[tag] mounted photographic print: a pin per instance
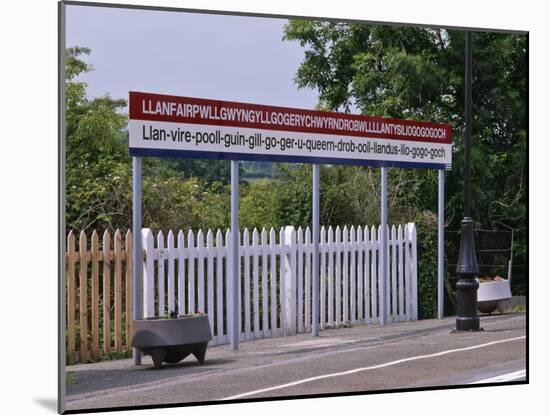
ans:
(280, 207)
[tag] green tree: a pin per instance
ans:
(99, 170)
(418, 73)
(208, 170)
(95, 150)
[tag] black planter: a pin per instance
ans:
(171, 340)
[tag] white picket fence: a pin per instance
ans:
(188, 274)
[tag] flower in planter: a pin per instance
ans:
(489, 278)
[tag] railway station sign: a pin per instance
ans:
(174, 126)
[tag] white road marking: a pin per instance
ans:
(506, 377)
(322, 342)
(361, 369)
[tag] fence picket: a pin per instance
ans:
(338, 244)
(300, 279)
(256, 281)
(200, 272)
(171, 255)
(308, 279)
(322, 306)
(360, 250)
(265, 288)
(367, 274)
(95, 295)
(106, 292)
(161, 277)
(181, 272)
(118, 291)
(240, 289)
(210, 250)
(227, 284)
(330, 251)
(353, 248)
(272, 283)
(374, 274)
(148, 274)
(220, 249)
(246, 259)
(71, 298)
(407, 270)
(388, 275)
(401, 277)
(345, 274)
(388, 272)
(282, 285)
(191, 273)
(83, 298)
(392, 258)
(129, 284)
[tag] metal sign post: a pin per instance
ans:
(136, 253)
(235, 274)
(315, 239)
(440, 243)
(383, 263)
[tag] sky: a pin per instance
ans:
(230, 58)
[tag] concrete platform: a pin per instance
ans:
(359, 359)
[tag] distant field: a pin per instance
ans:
(257, 179)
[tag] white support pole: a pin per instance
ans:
(289, 305)
(136, 236)
(440, 244)
(235, 274)
(511, 259)
(316, 170)
(383, 262)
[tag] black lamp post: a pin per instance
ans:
(467, 269)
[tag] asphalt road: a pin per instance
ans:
(367, 358)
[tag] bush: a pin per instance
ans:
(426, 231)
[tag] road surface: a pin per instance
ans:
(359, 359)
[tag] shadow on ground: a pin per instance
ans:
(48, 403)
(94, 380)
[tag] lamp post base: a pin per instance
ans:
(467, 285)
(467, 324)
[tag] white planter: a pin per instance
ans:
(489, 294)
